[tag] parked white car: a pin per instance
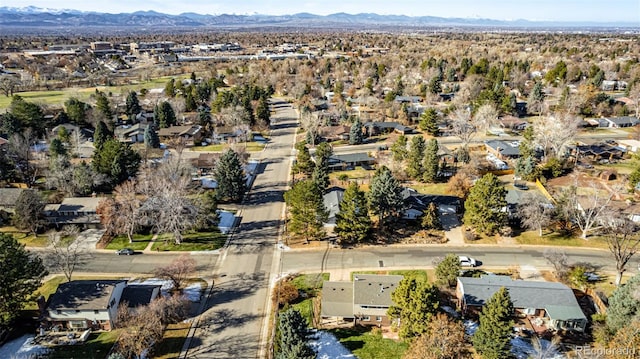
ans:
(467, 261)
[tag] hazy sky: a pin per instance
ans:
(557, 10)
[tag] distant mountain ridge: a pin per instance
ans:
(32, 16)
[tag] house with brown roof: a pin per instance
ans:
(334, 133)
(363, 301)
(191, 134)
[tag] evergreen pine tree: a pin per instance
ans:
(399, 148)
(170, 88)
(624, 304)
(431, 162)
(385, 195)
(430, 218)
(484, 205)
(101, 135)
(132, 105)
(103, 106)
(304, 164)
(353, 224)
(151, 139)
(306, 206)
(292, 341)
(321, 170)
(414, 304)
(429, 121)
(355, 133)
(164, 115)
(56, 148)
(263, 113)
(229, 175)
(448, 270)
(415, 156)
(493, 337)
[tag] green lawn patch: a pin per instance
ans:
(365, 343)
(557, 239)
(310, 282)
(197, 241)
(430, 188)
(140, 242)
(97, 347)
(172, 341)
(418, 274)
(357, 173)
(305, 308)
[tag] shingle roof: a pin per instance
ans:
(371, 289)
(337, 299)
(9, 196)
(138, 294)
(555, 298)
(83, 295)
(351, 158)
(331, 201)
(79, 204)
(506, 149)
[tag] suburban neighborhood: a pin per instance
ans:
(464, 194)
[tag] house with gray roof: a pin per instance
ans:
(549, 305)
(84, 304)
(503, 149)
(332, 200)
(618, 122)
(9, 197)
(363, 301)
(74, 210)
(340, 162)
(374, 128)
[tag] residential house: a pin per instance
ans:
(408, 99)
(75, 132)
(191, 134)
(503, 150)
(350, 160)
(9, 197)
(629, 145)
(613, 85)
(546, 305)
(334, 133)
(332, 200)
(618, 122)
(513, 123)
(364, 301)
(131, 133)
(74, 210)
(84, 304)
(205, 162)
(375, 128)
(597, 151)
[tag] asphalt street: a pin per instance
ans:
(232, 325)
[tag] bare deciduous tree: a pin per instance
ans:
(588, 211)
(65, 252)
(623, 240)
(310, 122)
(534, 213)
(462, 126)
(559, 260)
(485, 117)
(178, 271)
(555, 133)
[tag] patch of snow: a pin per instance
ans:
(452, 312)
(327, 346)
(520, 347)
(281, 246)
(192, 291)
(22, 348)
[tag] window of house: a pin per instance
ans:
(75, 324)
(96, 312)
(59, 311)
(529, 311)
(378, 319)
(77, 311)
(366, 318)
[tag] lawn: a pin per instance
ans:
(365, 343)
(140, 242)
(357, 173)
(305, 308)
(172, 341)
(310, 282)
(430, 188)
(197, 241)
(556, 239)
(58, 97)
(97, 347)
(29, 240)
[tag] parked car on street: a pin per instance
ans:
(467, 261)
(125, 251)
